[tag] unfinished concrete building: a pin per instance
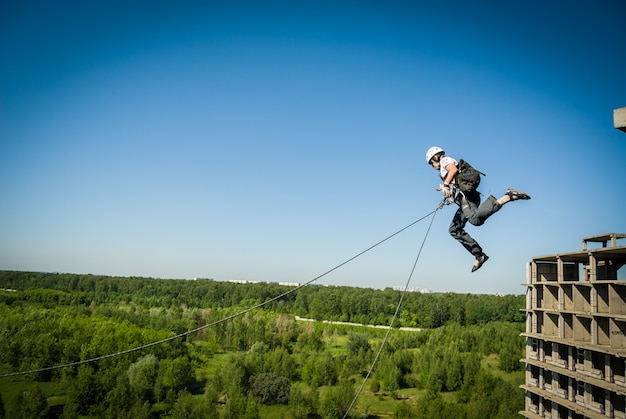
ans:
(576, 332)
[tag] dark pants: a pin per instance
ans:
(471, 210)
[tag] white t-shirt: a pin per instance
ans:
(445, 161)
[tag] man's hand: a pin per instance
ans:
(445, 190)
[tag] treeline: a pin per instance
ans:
(262, 363)
(348, 304)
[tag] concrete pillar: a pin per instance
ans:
(608, 369)
(593, 267)
(619, 119)
(608, 405)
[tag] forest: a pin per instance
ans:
(87, 346)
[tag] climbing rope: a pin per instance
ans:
(232, 316)
(395, 314)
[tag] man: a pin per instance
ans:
(470, 208)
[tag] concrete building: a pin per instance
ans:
(576, 332)
(576, 329)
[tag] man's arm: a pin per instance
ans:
(452, 171)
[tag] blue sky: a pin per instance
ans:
(274, 140)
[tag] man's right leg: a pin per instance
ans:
(457, 231)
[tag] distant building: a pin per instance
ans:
(576, 332)
(289, 284)
(243, 281)
(420, 290)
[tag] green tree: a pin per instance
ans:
(234, 377)
(186, 407)
(403, 410)
(121, 398)
(70, 410)
(510, 354)
(240, 407)
(28, 404)
(388, 374)
(270, 388)
(303, 404)
(310, 338)
(174, 373)
(358, 343)
(319, 370)
(490, 397)
(454, 369)
(337, 400)
(142, 376)
(211, 396)
(280, 362)
(85, 390)
(138, 410)
(327, 369)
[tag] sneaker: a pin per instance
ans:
(480, 260)
(515, 195)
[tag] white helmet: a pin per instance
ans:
(432, 152)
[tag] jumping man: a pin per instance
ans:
(470, 208)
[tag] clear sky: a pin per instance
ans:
(274, 140)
